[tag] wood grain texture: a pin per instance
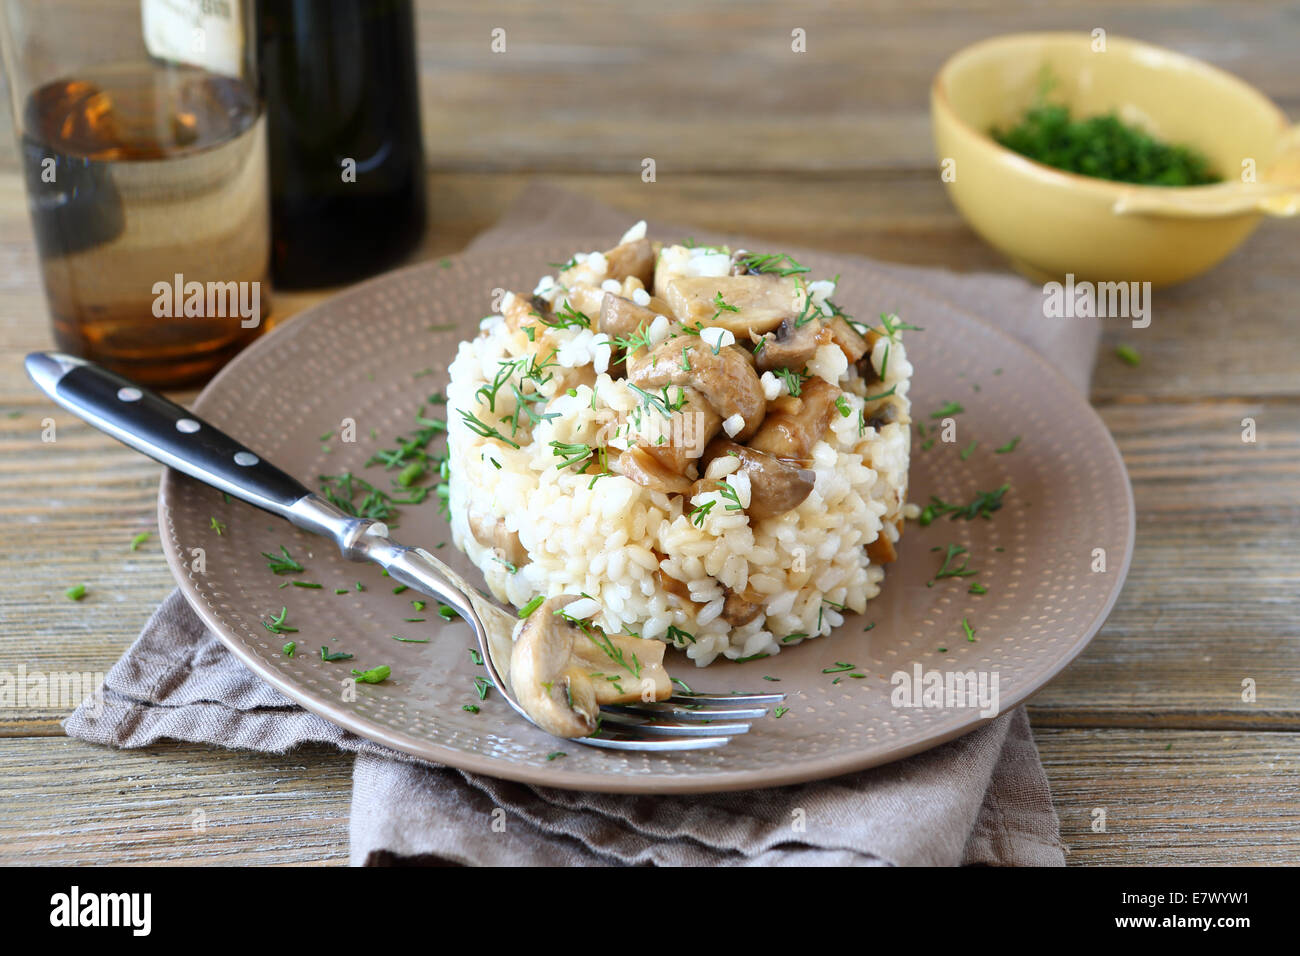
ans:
(1171, 797)
(1175, 798)
(63, 801)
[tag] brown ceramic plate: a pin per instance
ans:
(366, 355)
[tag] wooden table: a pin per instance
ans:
(827, 149)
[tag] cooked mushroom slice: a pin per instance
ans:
(792, 345)
(737, 611)
(865, 367)
(491, 532)
(791, 432)
(649, 471)
(885, 411)
(635, 258)
(561, 671)
(851, 343)
(520, 310)
(753, 304)
(881, 551)
(726, 379)
(775, 486)
(622, 318)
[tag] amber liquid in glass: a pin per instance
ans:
(135, 175)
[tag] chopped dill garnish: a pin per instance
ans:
(474, 424)
(981, 506)
(283, 563)
(947, 570)
(950, 408)
(793, 380)
(278, 625)
(774, 264)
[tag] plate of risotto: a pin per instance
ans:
(797, 474)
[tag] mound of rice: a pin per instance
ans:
(654, 564)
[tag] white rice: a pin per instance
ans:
(613, 541)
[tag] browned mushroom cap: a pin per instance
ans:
(791, 432)
(792, 345)
(491, 532)
(635, 258)
(775, 486)
(726, 379)
(737, 611)
(648, 470)
(622, 318)
(560, 670)
(755, 304)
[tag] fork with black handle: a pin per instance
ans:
(166, 432)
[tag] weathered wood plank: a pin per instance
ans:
(1175, 798)
(63, 801)
(715, 85)
(1170, 798)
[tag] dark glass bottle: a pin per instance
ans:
(343, 129)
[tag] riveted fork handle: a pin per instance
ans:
(178, 438)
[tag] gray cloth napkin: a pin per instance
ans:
(981, 799)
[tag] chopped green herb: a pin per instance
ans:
(139, 539)
(531, 606)
(330, 656)
(376, 675)
(75, 593)
(950, 408)
(289, 648)
(1128, 355)
(946, 570)
(1008, 447)
(277, 624)
(969, 631)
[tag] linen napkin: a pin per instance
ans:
(980, 799)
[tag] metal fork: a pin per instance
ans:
(166, 432)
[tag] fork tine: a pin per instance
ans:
(751, 699)
(630, 723)
(609, 742)
(666, 709)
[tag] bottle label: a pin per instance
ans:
(203, 33)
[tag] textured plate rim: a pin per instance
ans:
(545, 776)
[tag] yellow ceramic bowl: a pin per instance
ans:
(1052, 222)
